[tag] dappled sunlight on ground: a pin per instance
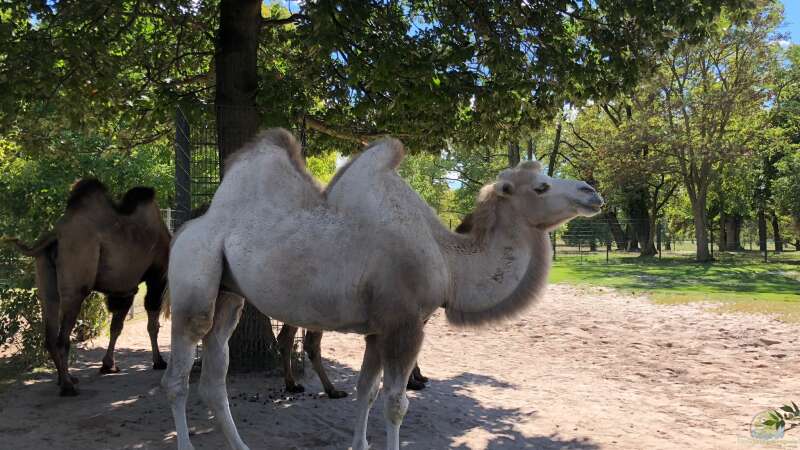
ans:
(587, 368)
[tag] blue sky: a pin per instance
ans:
(791, 22)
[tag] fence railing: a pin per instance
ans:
(599, 237)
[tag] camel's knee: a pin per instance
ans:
(197, 325)
(396, 407)
(174, 386)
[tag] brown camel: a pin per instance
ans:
(99, 245)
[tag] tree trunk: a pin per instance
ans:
(551, 168)
(252, 344)
(731, 230)
(236, 74)
(616, 230)
(530, 149)
(513, 154)
(701, 230)
(776, 233)
(652, 230)
(632, 244)
(639, 213)
(762, 230)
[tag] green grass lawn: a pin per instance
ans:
(739, 281)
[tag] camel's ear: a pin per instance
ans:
(504, 188)
(534, 166)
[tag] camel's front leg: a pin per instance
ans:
(156, 284)
(367, 391)
(119, 307)
(399, 352)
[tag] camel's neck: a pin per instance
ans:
(499, 278)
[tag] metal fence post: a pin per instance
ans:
(183, 175)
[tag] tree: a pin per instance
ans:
(428, 72)
(707, 92)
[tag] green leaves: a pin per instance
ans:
(788, 413)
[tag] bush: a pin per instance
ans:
(21, 327)
(22, 330)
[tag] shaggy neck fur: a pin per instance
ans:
(499, 268)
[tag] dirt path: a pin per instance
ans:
(582, 370)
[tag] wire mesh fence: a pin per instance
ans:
(197, 176)
(604, 241)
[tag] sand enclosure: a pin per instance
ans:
(584, 369)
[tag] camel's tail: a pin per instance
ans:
(37, 248)
(165, 304)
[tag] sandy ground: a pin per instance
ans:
(582, 370)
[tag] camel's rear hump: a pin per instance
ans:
(139, 195)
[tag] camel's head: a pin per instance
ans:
(543, 201)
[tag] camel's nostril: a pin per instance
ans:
(587, 189)
(597, 200)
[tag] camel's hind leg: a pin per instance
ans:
(399, 352)
(70, 307)
(176, 379)
(119, 307)
(215, 365)
(312, 344)
(286, 344)
(76, 274)
(367, 391)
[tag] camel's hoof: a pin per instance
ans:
(415, 385)
(336, 394)
(160, 365)
(296, 389)
(106, 370)
(421, 378)
(68, 391)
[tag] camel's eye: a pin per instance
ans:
(544, 187)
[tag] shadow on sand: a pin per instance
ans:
(128, 410)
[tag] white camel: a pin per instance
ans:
(367, 255)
